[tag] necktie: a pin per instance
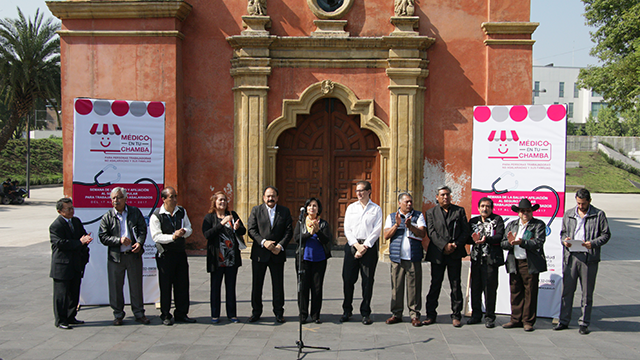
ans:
(71, 225)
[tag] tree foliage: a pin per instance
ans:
(617, 39)
(612, 123)
(29, 67)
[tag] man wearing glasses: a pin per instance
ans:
(124, 230)
(362, 226)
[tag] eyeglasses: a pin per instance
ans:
(361, 190)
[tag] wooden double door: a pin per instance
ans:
(324, 157)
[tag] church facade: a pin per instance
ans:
(307, 96)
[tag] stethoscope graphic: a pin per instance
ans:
(515, 186)
(97, 183)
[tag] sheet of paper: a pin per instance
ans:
(576, 246)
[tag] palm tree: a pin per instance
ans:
(29, 67)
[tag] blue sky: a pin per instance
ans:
(562, 37)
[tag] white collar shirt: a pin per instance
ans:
(363, 223)
(124, 229)
(518, 251)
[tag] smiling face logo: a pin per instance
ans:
(504, 139)
(105, 138)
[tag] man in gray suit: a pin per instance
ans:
(126, 245)
(587, 224)
(524, 238)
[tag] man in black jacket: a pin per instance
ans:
(270, 229)
(69, 255)
(170, 226)
(487, 256)
(524, 238)
(448, 230)
(124, 230)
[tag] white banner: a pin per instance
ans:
(520, 151)
(116, 143)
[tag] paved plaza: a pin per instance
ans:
(27, 330)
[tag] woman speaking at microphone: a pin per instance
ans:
(316, 239)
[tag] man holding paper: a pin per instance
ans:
(584, 230)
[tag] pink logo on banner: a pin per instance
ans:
(502, 202)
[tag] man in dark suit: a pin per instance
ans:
(524, 238)
(448, 231)
(126, 245)
(69, 255)
(487, 231)
(270, 229)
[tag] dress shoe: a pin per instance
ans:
(474, 320)
(215, 320)
(560, 326)
(167, 321)
(303, 319)
(254, 318)
(393, 320)
(143, 320)
(117, 321)
(64, 326)
(345, 317)
(234, 320)
(511, 325)
(528, 328)
(584, 330)
(75, 322)
(280, 319)
(367, 320)
(489, 324)
(317, 321)
(456, 323)
(428, 321)
(186, 319)
(416, 322)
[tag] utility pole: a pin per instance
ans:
(28, 156)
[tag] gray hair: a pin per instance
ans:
(119, 189)
(403, 194)
(444, 187)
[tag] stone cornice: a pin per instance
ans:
(119, 9)
(509, 42)
(305, 52)
(491, 28)
(117, 33)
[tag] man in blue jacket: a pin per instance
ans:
(588, 225)
(406, 228)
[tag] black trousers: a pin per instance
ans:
(173, 274)
(66, 295)
(453, 268)
(484, 278)
(524, 294)
(312, 281)
(258, 272)
(366, 266)
(230, 275)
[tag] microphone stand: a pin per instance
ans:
(299, 343)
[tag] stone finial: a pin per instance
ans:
(404, 7)
(258, 7)
(327, 87)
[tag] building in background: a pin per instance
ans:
(309, 96)
(558, 85)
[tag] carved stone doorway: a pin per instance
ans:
(324, 156)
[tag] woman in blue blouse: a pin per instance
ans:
(315, 236)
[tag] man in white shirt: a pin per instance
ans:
(362, 226)
(169, 227)
(406, 228)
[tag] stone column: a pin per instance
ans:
(250, 70)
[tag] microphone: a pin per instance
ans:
(302, 211)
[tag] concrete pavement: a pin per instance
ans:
(27, 331)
